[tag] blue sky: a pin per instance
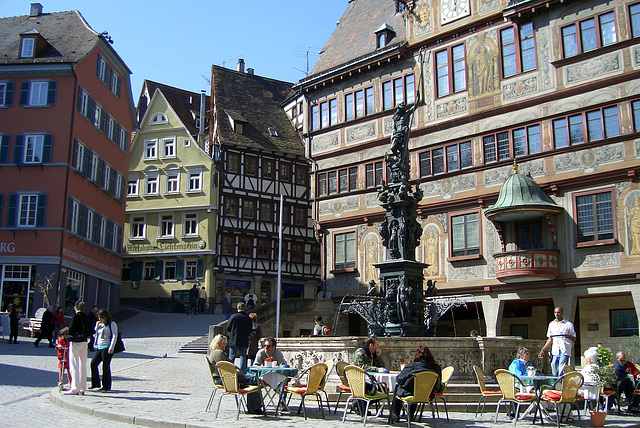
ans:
(176, 42)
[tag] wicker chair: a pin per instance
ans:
(447, 373)
(570, 382)
(214, 377)
(229, 375)
(357, 381)
(317, 374)
(344, 384)
(507, 382)
(486, 393)
(422, 387)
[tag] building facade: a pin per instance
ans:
(552, 86)
(170, 231)
(66, 115)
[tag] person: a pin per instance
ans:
(562, 335)
(14, 322)
(194, 293)
(227, 305)
(78, 350)
(269, 350)
(422, 361)
(202, 300)
(46, 327)
(92, 319)
(250, 300)
(319, 328)
(216, 354)
(589, 374)
(239, 328)
(520, 364)
(62, 346)
(367, 356)
(58, 322)
(106, 337)
(623, 369)
(254, 336)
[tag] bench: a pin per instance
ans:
(32, 326)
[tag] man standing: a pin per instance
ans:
(202, 300)
(194, 293)
(269, 350)
(93, 319)
(14, 321)
(250, 300)
(319, 329)
(562, 335)
(623, 369)
(227, 305)
(46, 327)
(239, 328)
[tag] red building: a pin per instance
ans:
(66, 117)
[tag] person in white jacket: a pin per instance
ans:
(105, 342)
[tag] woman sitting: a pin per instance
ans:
(423, 361)
(519, 366)
(590, 385)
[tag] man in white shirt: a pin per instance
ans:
(562, 335)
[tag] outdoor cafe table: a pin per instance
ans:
(276, 378)
(389, 378)
(538, 382)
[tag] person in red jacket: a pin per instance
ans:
(58, 322)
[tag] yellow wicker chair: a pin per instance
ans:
(317, 375)
(357, 382)
(229, 375)
(507, 382)
(447, 373)
(323, 384)
(422, 387)
(486, 393)
(570, 382)
(344, 384)
(214, 377)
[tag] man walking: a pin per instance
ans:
(239, 328)
(202, 300)
(46, 327)
(194, 293)
(227, 305)
(562, 335)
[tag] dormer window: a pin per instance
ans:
(27, 48)
(237, 121)
(384, 34)
(158, 118)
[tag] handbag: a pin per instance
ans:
(119, 343)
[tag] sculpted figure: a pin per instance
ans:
(634, 226)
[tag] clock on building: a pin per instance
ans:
(453, 9)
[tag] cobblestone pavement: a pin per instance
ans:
(154, 385)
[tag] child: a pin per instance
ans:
(63, 355)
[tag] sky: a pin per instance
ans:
(176, 42)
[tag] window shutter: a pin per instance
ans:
(1, 206)
(180, 270)
(12, 219)
(123, 187)
(17, 150)
(4, 149)
(157, 271)
(136, 271)
(79, 101)
(118, 241)
(51, 93)
(86, 158)
(199, 269)
(103, 119)
(119, 86)
(8, 98)
(99, 177)
(108, 242)
(69, 214)
(100, 59)
(24, 93)
(82, 226)
(91, 107)
(46, 148)
(112, 182)
(96, 229)
(41, 211)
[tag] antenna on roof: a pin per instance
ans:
(205, 78)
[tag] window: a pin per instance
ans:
(151, 183)
(96, 168)
(102, 232)
(6, 94)
(169, 148)
(91, 218)
(118, 188)
(634, 13)
(445, 159)
(191, 269)
(381, 40)
(264, 248)
(246, 247)
(374, 174)
(74, 216)
(116, 242)
(301, 175)
(266, 211)
(345, 251)
(594, 218)
(398, 90)
(195, 180)
(297, 252)
(518, 49)
(190, 224)
(132, 187)
(150, 149)
(509, 144)
(149, 271)
(98, 117)
(158, 118)
(594, 125)
(465, 235)
(27, 210)
(186, 143)
(248, 208)
(324, 114)
(589, 34)
(111, 128)
(84, 102)
(528, 236)
(107, 184)
(227, 245)
(267, 168)
(624, 322)
(284, 171)
(169, 270)
(358, 104)
(102, 70)
(172, 183)
(299, 216)
(28, 47)
(233, 161)
(451, 70)
(340, 181)
(166, 226)
(137, 228)
(33, 148)
(38, 93)
(231, 206)
(115, 83)
(251, 165)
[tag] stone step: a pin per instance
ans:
(197, 346)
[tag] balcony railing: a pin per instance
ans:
(526, 265)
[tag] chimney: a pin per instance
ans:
(249, 70)
(36, 10)
(203, 99)
(240, 65)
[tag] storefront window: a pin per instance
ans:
(75, 290)
(15, 287)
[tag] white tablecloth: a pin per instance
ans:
(388, 378)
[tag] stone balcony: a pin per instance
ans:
(526, 265)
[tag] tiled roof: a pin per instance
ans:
(258, 101)
(184, 103)
(354, 36)
(69, 36)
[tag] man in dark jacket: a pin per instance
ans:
(194, 294)
(46, 327)
(239, 328)
(92, 320)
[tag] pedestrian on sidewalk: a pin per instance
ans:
(46, 327)
(227, 305)
(194, 293)
(78, 350)
(62, 346)
(239, 328)
(202, 300)
(105, 339)
(14, 321)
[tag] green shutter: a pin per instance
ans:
(51, 93)
(41, 213)
(180, 270)
(157, 270)
(18, 148)
(200, 269)
(12, 215)
(5, 140)
(136, 271)
(46, 148)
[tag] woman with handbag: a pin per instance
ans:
(78, 351)
(105, 343)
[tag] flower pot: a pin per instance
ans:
(597, 418)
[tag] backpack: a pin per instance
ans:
(326, 331)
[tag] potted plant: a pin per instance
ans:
(606, 379)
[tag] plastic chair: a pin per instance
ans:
(507, 382)
(344, 384)
(422, 387)
(486, 393)
(447, 373)
(570, 382)
(214, 377)
(356, 377)
(229, 375)
(317, 375)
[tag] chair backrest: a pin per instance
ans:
(568, 369)
(447, 373)
(480, 377)
(507, 382)
(571, 382)
(423, 384)
(356, 380)
(229, 376)
(340, 365)
(317, 373)
(329, 365)
(212, 369)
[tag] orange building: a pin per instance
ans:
(66, 117)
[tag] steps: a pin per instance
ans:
(197, 346)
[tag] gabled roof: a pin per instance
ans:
(354, 36)
(186, 104)
(257, 100)
(69, 36)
